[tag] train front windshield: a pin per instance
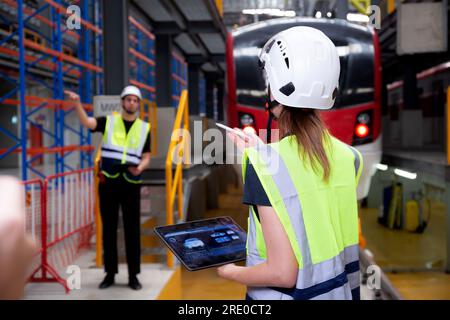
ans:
(356, 52)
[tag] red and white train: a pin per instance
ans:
(356, 116)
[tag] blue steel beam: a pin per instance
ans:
(8, 78)
(40, 107)
(23, 127)
(9, 94)
(9, 134)
(40, 174)
(7, 152)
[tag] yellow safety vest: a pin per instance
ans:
(320, 218)
(122, 148)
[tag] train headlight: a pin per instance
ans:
(361, 130)
(363, 118)
(246, 119)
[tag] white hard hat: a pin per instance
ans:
(131, 90)
(302, 68)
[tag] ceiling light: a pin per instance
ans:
(357, 17)
(270, 12)
(382, 167)
(405, 174)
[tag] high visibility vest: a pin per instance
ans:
(122, 148)
(320, 218)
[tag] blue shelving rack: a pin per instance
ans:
(179, 77)
(41, 50)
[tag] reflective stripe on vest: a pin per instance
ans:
(354, 279)
(125, 176)
(123, 146)
(358, 160)
(336, 277)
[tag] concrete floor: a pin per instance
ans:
(153, 278)
(206, 284)
(401, 250)
(413, 262)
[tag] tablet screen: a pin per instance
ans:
(205, 243)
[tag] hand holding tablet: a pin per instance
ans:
(205, 243)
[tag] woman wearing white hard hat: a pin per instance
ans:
(124, 156)
(303, 221)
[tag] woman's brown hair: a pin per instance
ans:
(311, 133)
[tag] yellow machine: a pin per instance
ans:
(394, 219)
(412, 215)
(416, 208)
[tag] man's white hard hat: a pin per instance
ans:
(302, 68)
(131, 90)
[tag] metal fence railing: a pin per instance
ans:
(60, 218)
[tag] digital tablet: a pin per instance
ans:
(205, 243)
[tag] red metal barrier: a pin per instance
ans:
(35, 211)
(61, 221)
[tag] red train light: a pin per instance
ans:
(361, 130)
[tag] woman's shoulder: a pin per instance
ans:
(340, 146)
(337, 143)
